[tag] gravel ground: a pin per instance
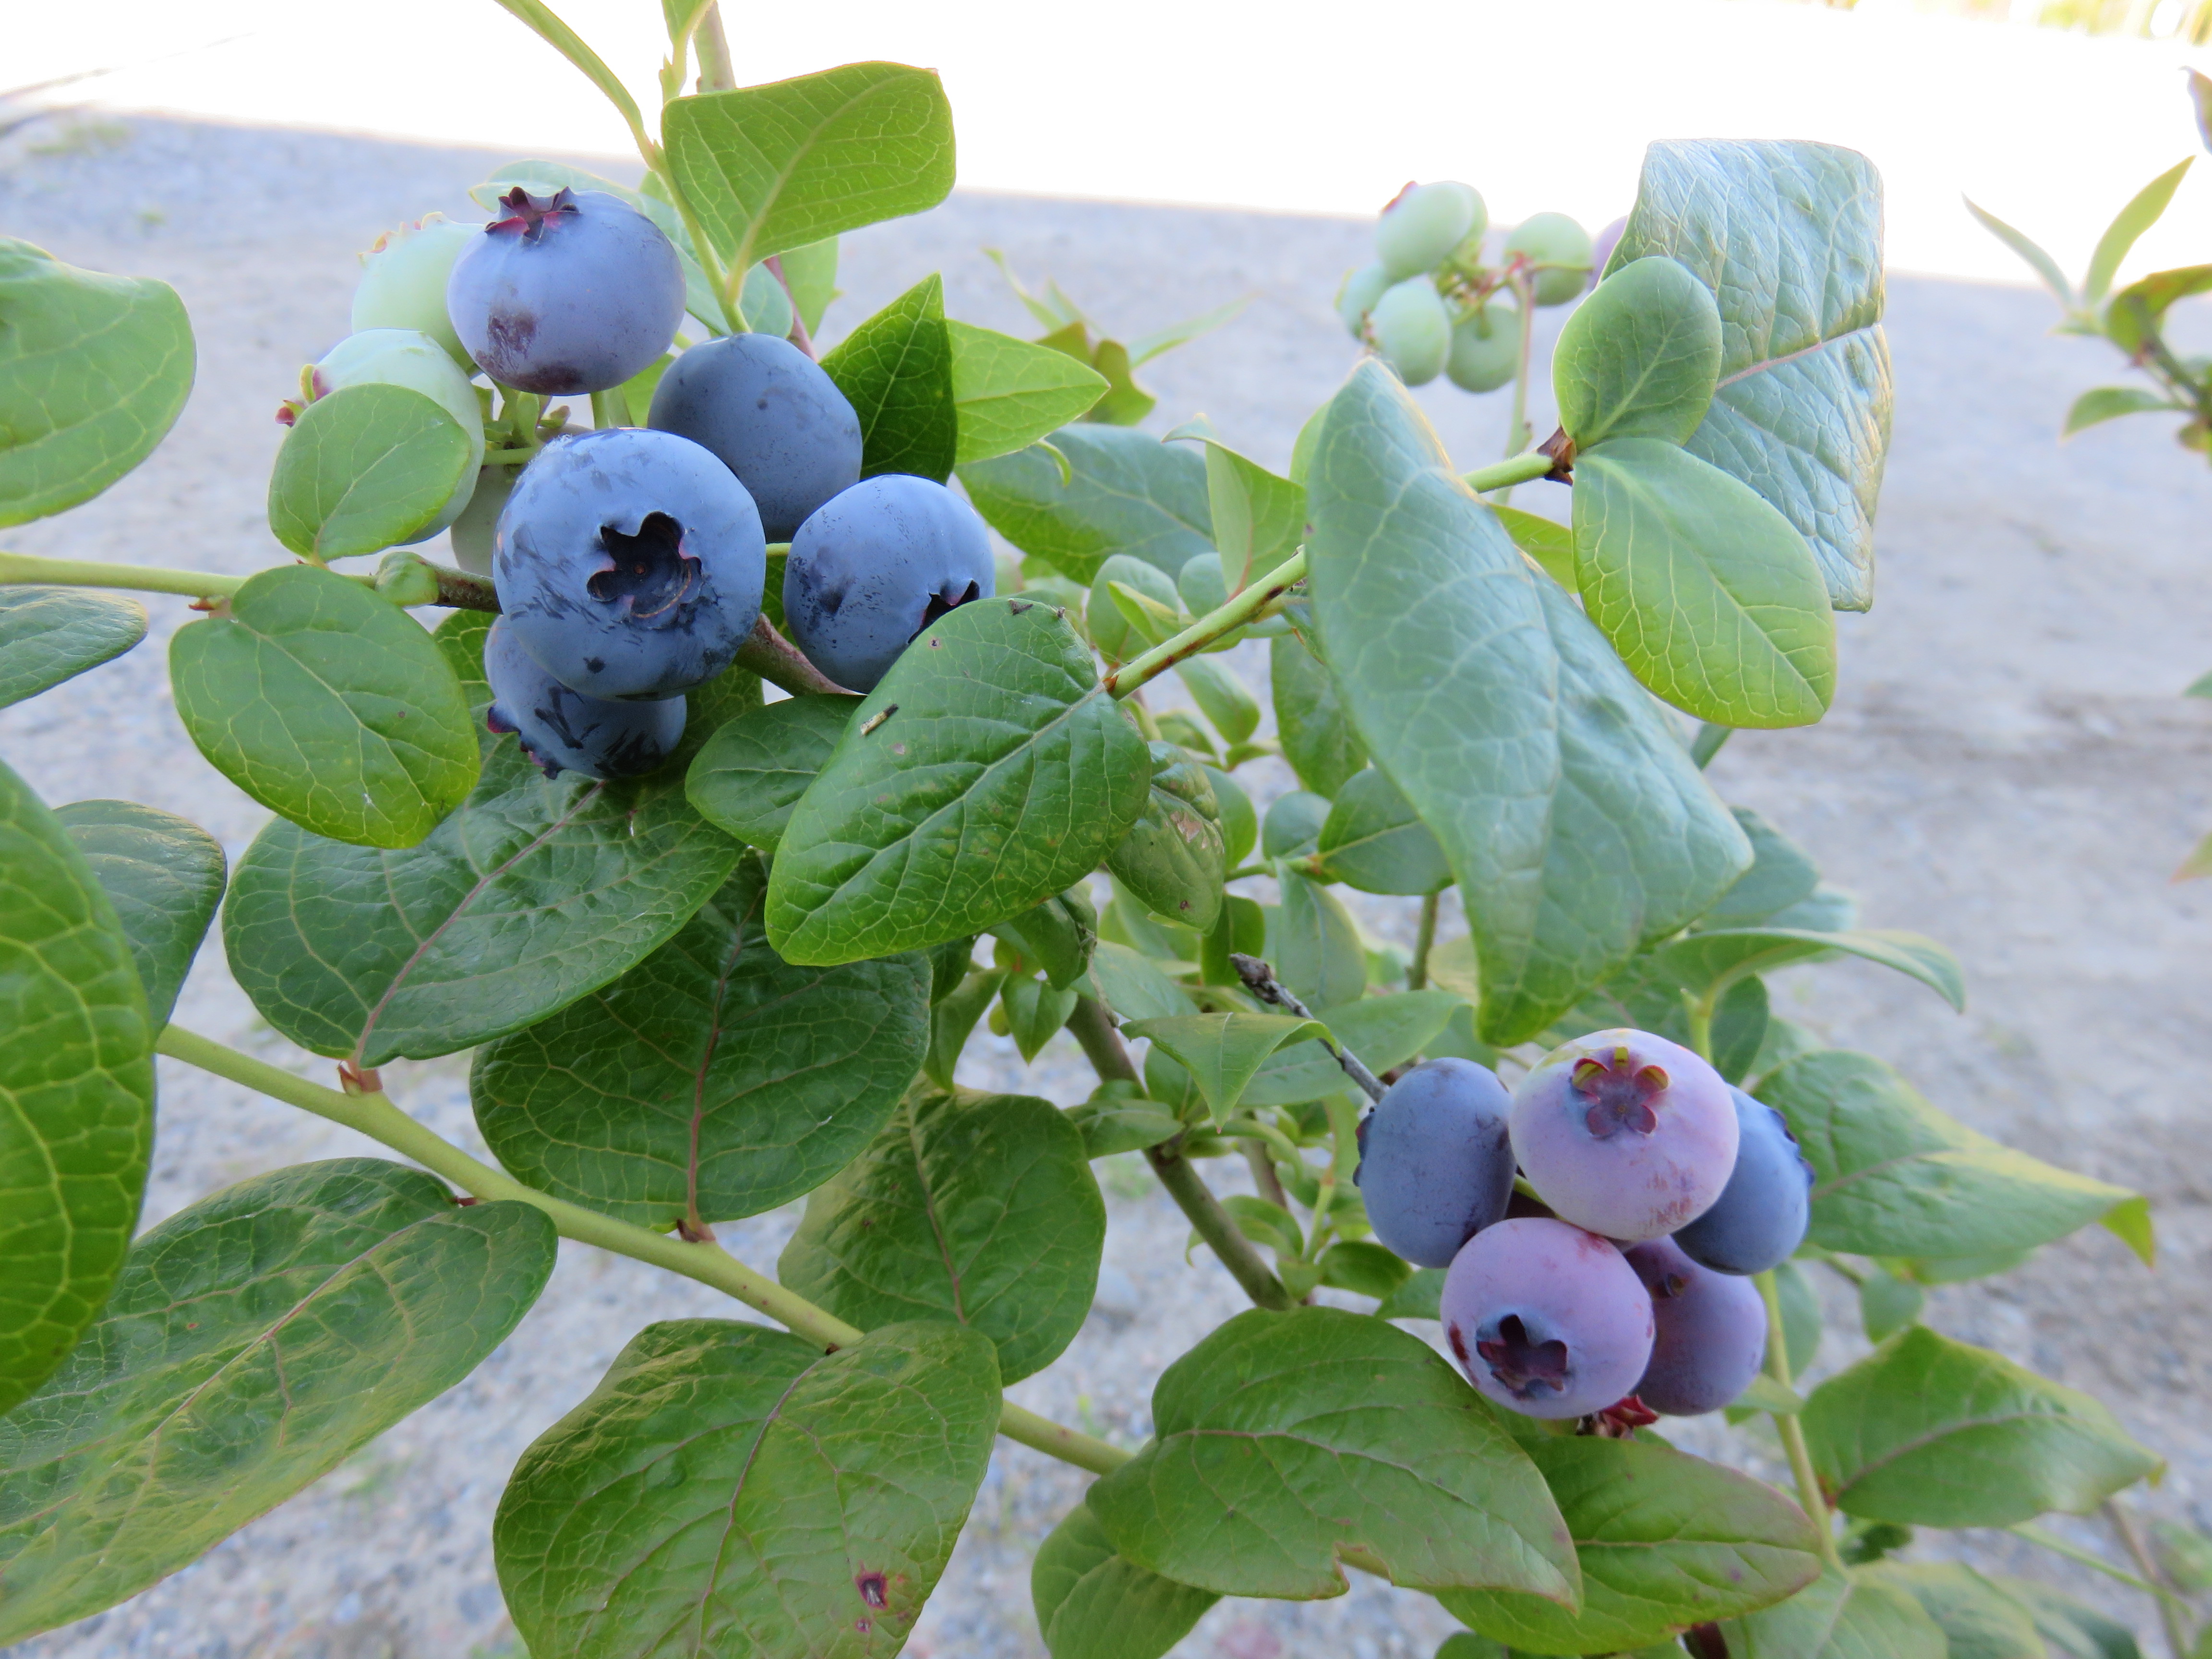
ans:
(2008, 767)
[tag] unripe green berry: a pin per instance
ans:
(1558, 254)
(1412, 330)
(1418, 231)
(407, 357)
(402, 281)
(1357, 295)
(1486, 347)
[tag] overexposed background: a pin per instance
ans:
(1299, 107)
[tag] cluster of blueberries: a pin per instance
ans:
(630, 561)
(1661, 1189)
(1429, 306)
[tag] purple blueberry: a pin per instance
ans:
(1625, 1133)
(1710, 1332)
(1546, 1319)
(1436, 1159)
(874, 566)
(775, 419)
(1759, 1220)
(629, 563)
(568, 293)
(565, 731)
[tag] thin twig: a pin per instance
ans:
(1260, 979)
(777, 660)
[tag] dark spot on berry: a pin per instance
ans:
(596, 665)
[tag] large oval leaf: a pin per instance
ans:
(711, 1081)
(1640, 358)
(1716, 957)
(1788, 237)
(77, 1093)
(1092, 1604)
(534, 893)
(1927, 1432)
(164, 876)
(1575, 824)
(978, 1209)
(1304, 1434)
(366, 468)
(1666, 1541)
(1374, 841)
(1894, 1176)
(895, 369)
(1124, 491)
(729, 1489)
(1979, 1620)
(1011, 392)
(988, 771)
(328, 704)
(1172, 861)
(256, 1341)
(773, 168)
(1841, 1617)
(93, 371)
(1708, 594)
(1318, 741)
(49, 635)
(751, 773)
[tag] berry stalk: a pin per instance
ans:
(1792, 1432)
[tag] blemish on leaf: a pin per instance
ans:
(873, 1590)
(878, 718)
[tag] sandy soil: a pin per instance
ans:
(2007, 769)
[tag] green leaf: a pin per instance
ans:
(2141, 213)
(752, 771)
(1003, 776)
(1118, 635)
(2138, 311)
(1125, 492)
(1416, 1298)
(1712, 597)
(1128, 984)
(1300, 1434)
(1258, 518)
(255, 1341)
(1119, 1118)
(329, 705)
(1927, 1432)
(1705, 961)
(1780, 875)
(1887, 1304)
(1666, 1540)
(1092, 1604)
(1172, 857)
(895, 369)
(810, 275)
(1894, 1176)
(978, 1209)
(534, 893)
(1151, 621)
(49, 635)
(2108, 403)
(1058, 935)
(1840, 1617)
(1550, 543)
(711, 1081)
(1011, 392)
(1222, 1052)
(1293, 827)
(2038, 261)
(1979, 1619)
(729, 1489)
(1640, 358)
(774, 167)
(366, 468)
(93, 371)
(1034, 1013)
(77, 1093)
(1221, 698)
(1383, 1032)
(1317, 732)
(952, 1018)
(1578, 826)
(2069, 1629)
(1364, 1268)
(1788, 238)
(163, 875)
(1314, 944)
(1374, 841)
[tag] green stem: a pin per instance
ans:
(2170, 1607)
(374, 1116)
(716, 72)
(608, 410)
(1417, 972)
(1504, 475)
(1701, 1025)
(2057, 1545)
(1792, 1432)
(29, 568)
(1516, 432)
(1092, 1026)
(1207, 628)
(1707, 743)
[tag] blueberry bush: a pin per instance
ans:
(1517, 1194)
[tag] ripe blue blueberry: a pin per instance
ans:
(1625, 1133)
(1709, 1332)
(1546, 1319)
(875, 565)
(1436, 1159)
(565, 731)
(629, 563)
(1759, 1220)
(775, 419)
(568, 293)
